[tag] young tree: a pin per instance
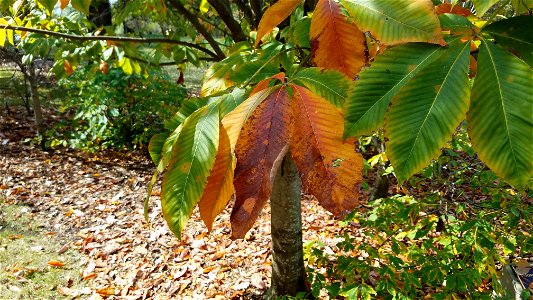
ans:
(303, 92)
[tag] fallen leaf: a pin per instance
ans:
(106, 292)
(56, 263)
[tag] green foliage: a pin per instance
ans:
(443, 242)
(114, 110)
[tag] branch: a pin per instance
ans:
(258, 11)
(108, 38)
(247, 11)
(170, 63)
(201, 29)
(224, 12)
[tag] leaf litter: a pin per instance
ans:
(94, 203)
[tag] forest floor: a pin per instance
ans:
(80, 221)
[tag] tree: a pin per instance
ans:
(306, 90)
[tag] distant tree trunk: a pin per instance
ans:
(36, 101)
(288, 271)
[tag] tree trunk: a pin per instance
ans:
(36, 102)
(288, 272)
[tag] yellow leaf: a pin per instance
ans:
(219, 188)
(275, 15)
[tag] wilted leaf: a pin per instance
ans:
(336, 43)
(64, 3)
(274, 15)
(329, 167)
(446, 8)
(259, 149)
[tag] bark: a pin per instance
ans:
(36, 102)
(288, 271)
(201, 29)
(257, 7)
(224, 11)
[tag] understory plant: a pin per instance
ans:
(447, 239)
(114, 110)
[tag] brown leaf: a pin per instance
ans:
(260, 147)
(64, 3)
(336, 43)
(329, 167)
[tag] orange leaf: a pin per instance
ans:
(56, 263)
(263, 84)
(259, 151)
(107, 291)
(64, 3)
(336, 43)
(275, 15)
(329, 167)
(219, 188)
(447, 8)
(67, 67)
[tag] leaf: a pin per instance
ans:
(193, 156)
(56, 263)
(259, 150)
(2, 33)
(427, 110)
(328, 84)
(499, 120)
(204, 6)
(448, 8)
(515, 34)
(64, 3)
(234, 120)
(456, 24)
(219, 188)
(274, 15)
(81, 5)
(336, 43)
(395, 22)
(522, 6)
(298, 33)
(254, 71)
(365, 107)
(48, 4)
(329, 167)
(217, 77)
(125, 64)
(482, 6)
(155, 147)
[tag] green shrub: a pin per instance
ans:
(114, 110)
(448, 241)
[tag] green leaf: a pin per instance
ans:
(217, 77)
(522, 6)
(499, 119)
(395, 22)
(254, 71)
(126, 66)
(426, 111)
(48, 4)
(81, 5)
(193, 156)
(482, 6)
(298, 33)
(328, 84)
(455, 23)
(155, 147)
(365, 107)
(515, 34)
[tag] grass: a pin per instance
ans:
(192, 76)
(26, 248)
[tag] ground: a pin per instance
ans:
(89, 214)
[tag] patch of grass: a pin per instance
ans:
(192, 76)
(26, 248)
